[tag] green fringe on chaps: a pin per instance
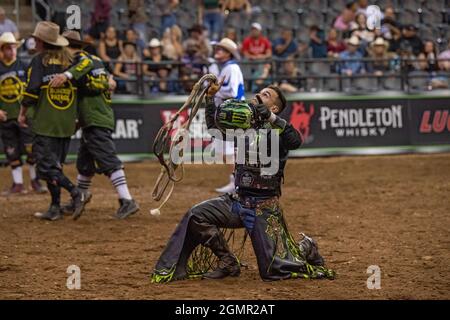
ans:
(278, 255)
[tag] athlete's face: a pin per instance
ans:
(9, 52)
(269, 98)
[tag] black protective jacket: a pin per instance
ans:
(249, 181)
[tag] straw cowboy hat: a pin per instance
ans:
(379, 42)
(8, 38)
(74, 38)
(49, 33)
(354, 41)
(230, 46)
(154, 43)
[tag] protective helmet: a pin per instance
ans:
(234, 114)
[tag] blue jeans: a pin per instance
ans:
(213, 22)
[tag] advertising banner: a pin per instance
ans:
(350, 123)
(329, 126)
(430, 121)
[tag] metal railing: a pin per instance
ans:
(328, 77)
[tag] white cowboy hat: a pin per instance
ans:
(8, 38)
(49, 33)
(154, 43)
(379, 42)
(230, 46)
(354, 40)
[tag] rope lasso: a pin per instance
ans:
(168, 174)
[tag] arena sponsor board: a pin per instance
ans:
(137, 126)
(350, 123)
(430, 121)
(329, 126)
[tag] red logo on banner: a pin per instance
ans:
(301, 119)
(436, 123)
(167, 115)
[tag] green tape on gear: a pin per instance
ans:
(234, 114)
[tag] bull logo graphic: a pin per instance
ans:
(301, 119)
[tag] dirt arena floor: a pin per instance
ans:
(390, 211)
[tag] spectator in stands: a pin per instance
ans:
(441, 80)
(359, 29)
(127, 68)
(290, 76)
(154, 55)
(383, 60)
(343, 21)
(427, 59)
(210, 14)
(317, 42)
(362, 7)
(231, 34)
(390, 29)
(194, 64)
(168, 17)
(409, 35)
(137, 17)
(334, 44)
(256, 46)
(132, 36)
(198, 36)
(354, 65)
(7, 25)
(110, 47)
(444, 56)
(262, 77)
(303, 50)
(285, 46)
(100, 18)
(405, 53)
(230, 6)
(171, 42)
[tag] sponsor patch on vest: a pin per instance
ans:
(11, 89)
(61, 98)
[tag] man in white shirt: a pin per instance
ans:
(226, 54)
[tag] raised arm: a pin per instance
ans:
(83, 64)
(210, 108)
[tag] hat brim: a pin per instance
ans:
(60, 41)
(77, 42)
(233, 52)
(353, 43)
(384, 44)
(17, 43)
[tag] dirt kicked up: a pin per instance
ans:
(390, 211)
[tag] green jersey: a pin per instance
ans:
(12, 81)
(94, 99)
(55, 108)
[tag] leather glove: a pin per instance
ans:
(266, 115)
(263, 112)
(214, 88)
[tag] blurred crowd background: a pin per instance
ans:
(163, 46)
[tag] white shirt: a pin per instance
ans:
(233, 85)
